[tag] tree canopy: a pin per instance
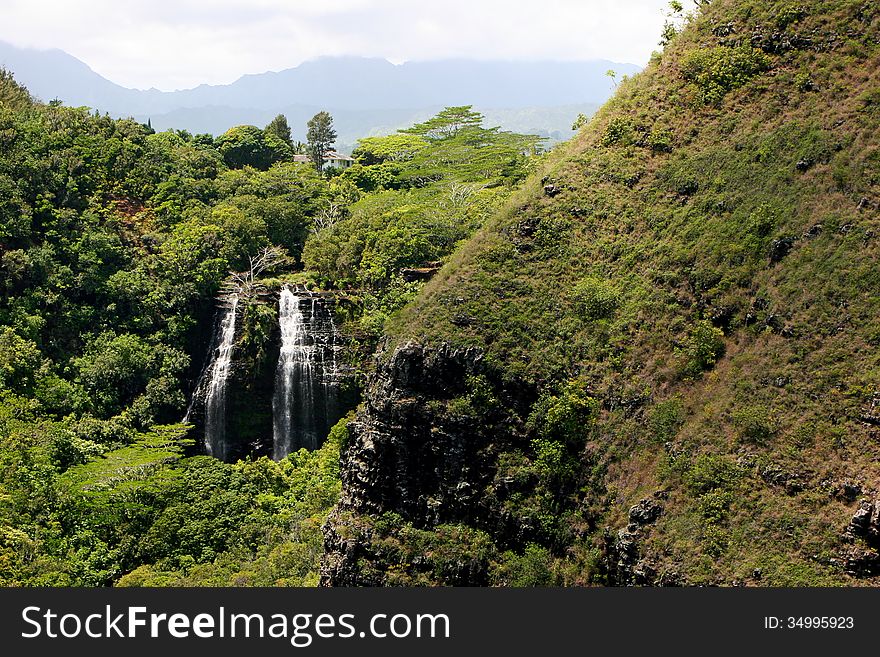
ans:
(279, 128)
(115, 241)
(247, 145)
(320, 137)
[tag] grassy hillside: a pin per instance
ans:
(689, 291)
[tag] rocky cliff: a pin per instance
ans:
(420, 448)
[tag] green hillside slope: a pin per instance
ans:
(659, 365)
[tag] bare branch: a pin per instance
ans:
(267, 258)
(328, 217)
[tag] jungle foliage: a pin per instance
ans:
(115, 241)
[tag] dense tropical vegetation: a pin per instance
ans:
(114, 242)
(649, 357)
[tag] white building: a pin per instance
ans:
(332, 159)
(337, 160)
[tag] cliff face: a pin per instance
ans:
(424, 447)
(322, 384)
(659, 365)
(399, 457)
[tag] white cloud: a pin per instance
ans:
(169, 45)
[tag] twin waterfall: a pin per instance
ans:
(304, 392)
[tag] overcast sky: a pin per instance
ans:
(182, 43)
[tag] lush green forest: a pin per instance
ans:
(648, 357)
(114, 243)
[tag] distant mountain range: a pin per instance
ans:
(367, 96)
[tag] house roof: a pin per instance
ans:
(329, 155)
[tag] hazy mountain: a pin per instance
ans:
(365, 95)
(50, 74)
(554, 123)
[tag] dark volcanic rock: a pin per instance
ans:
(850, 490)
(813, 231)
(462, 320)
(865, 522)
(804, 163)
(407, 455)
(345, 545)
(774, 475)
(623, 563)
(870, 418)
(859, 561)
(721, 316)
(412, 274)
(527, 227)
(859, 555)
(780, 248)
(774, 323)
(645, 512)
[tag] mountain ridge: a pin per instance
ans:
(340, 84)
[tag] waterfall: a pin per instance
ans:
(235, 406)
(216, 375)
(304, 405)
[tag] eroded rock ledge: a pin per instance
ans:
(413, 452)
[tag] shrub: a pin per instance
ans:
(481, 393)
(715, 539)
(870, 101)
(710, 472)
(702, 349)
(531, 568)
(258, 323)
(549, 458)
(753, 424)
(804, 82)
(596, 298)
(19, 360)
(763, 221)
(618, 131)
(716, 71)
(714, 505)
(566, 416)
(668, 33)
(666, 418)
(789, 15)
(660, 140)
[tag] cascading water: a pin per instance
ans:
(305, 404)
(217, 374)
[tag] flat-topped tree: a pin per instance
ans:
(448, 123)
